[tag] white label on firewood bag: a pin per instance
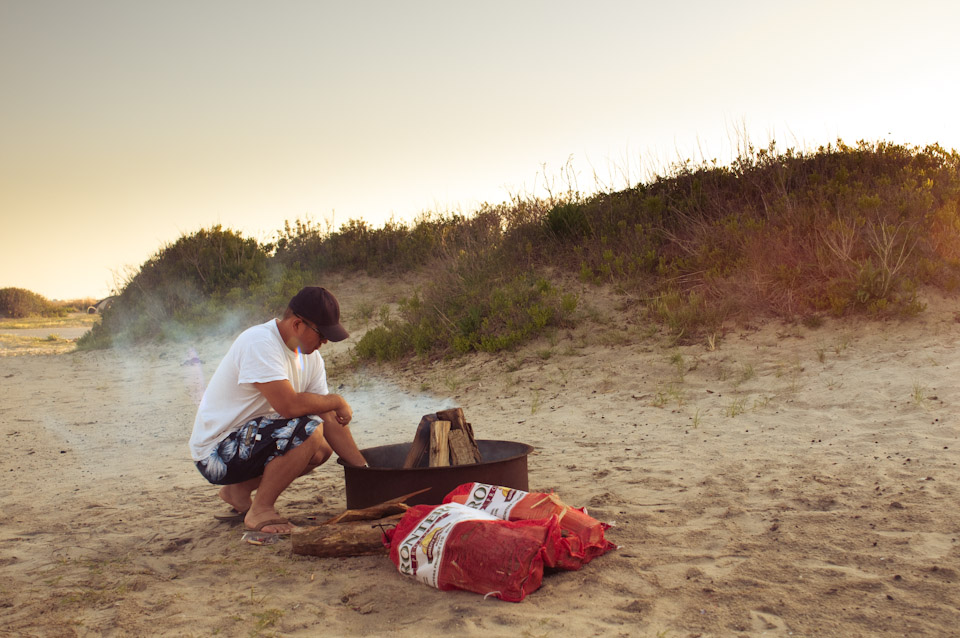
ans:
(494, 499)
(421, 552)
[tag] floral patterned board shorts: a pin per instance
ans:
(243, 454)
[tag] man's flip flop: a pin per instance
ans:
(230, 516)
(267, 523)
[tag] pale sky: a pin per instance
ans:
(125, 124)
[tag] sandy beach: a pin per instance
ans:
(780, 480)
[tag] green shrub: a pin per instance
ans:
(470, 319)
(568, 221)
(184, 288)
(688, 315)
(18, 303)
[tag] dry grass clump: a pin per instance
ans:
(844, 229)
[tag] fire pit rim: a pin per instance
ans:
(524, 449)
(367, 486)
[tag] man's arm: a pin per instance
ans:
(332, 408)
(289, 403)
(341, 440)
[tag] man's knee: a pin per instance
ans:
(322, 455)
(319, 458)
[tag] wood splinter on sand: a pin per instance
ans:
(443, 439)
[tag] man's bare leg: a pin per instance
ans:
(238, 495)
(277, 476)
(341, 440)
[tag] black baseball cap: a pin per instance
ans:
(321, 307)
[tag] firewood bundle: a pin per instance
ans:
(443, 439)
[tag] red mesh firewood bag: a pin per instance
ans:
(582, 536)
(456, 547)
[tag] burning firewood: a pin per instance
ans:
(421, 442)
(439, 445)
(467, 450)
(461, 452)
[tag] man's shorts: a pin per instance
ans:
(243, 454)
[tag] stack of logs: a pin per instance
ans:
(442, 439)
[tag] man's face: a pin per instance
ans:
(309, 336)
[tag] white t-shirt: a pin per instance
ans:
(258, 355)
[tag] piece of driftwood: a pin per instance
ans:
(387, 508)
(361, 538)
(459, 422)
(354, 532)
(369, 513)
(420, 447)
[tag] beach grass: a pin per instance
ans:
(70, 320)
(17, 345)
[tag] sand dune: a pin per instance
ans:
(791, 481)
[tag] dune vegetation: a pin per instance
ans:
(18, 303)
(789, 234)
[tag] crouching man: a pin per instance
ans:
(267, 415)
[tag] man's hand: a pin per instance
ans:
(344, 414)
